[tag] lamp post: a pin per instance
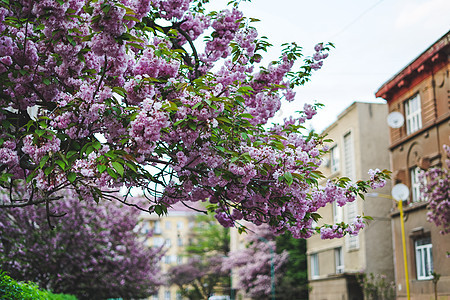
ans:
(272, 269)
(400, 193)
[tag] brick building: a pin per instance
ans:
(421, 93)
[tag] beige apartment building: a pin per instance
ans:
(173, 233)
(360, 143)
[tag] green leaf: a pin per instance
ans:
(246, 115)
(131, 166)
(40, 132)
(131, 18)
(288, 177)
(118, 167)
(61, 164)
(192, 125)
(71, 177)
(223, 119)
(43, 161)
(31, 176)
(111, 173)
(101, 168)
(71, 153)
(48, 170)
(119, 90)
(97, 145)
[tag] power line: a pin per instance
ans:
(355, 20)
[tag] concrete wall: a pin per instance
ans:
(367, 124)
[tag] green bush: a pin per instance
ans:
(13, 290)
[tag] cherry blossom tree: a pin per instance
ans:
(435, 185)
(94, 251)
(97, 95)
(253, 265)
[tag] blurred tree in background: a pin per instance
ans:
(294, 281)
(203, 274)
(95, 251)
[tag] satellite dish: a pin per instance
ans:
(400, 192)
(395, 119)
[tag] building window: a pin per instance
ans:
(339, 260)
(413, 114)
(180, 241)
(337, 213)
(179, 225)
(168, 225)
(179, 259)
(415, 184)
(352, 212)
(334, 159)
(158, 241)
(145, 228)
(167, 259)
(424, 258)
(349, 158)
(157, 228)
(168, 243)
(314, 266)
(167, 295)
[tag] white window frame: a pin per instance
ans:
(338, 213)
(179, 225)
(413, 114)
(168, 225)
(167, 295)
(157, 228)
(349, 155)
(339, 260)
(416, 195)
(424, 258)
(314, 258)
(158, 241)
(352, 212)
(334, 159)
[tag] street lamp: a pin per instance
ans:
(272, 269)
(400, 193)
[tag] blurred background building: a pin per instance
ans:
(360, 143)
(173, 232)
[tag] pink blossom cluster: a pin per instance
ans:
(318, 57)
(375, 180)
(337, 231)
(226, 25)
(435, 184)
(172, 9)
(193, 26)
(43, 146)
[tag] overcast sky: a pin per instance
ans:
(374, 40)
